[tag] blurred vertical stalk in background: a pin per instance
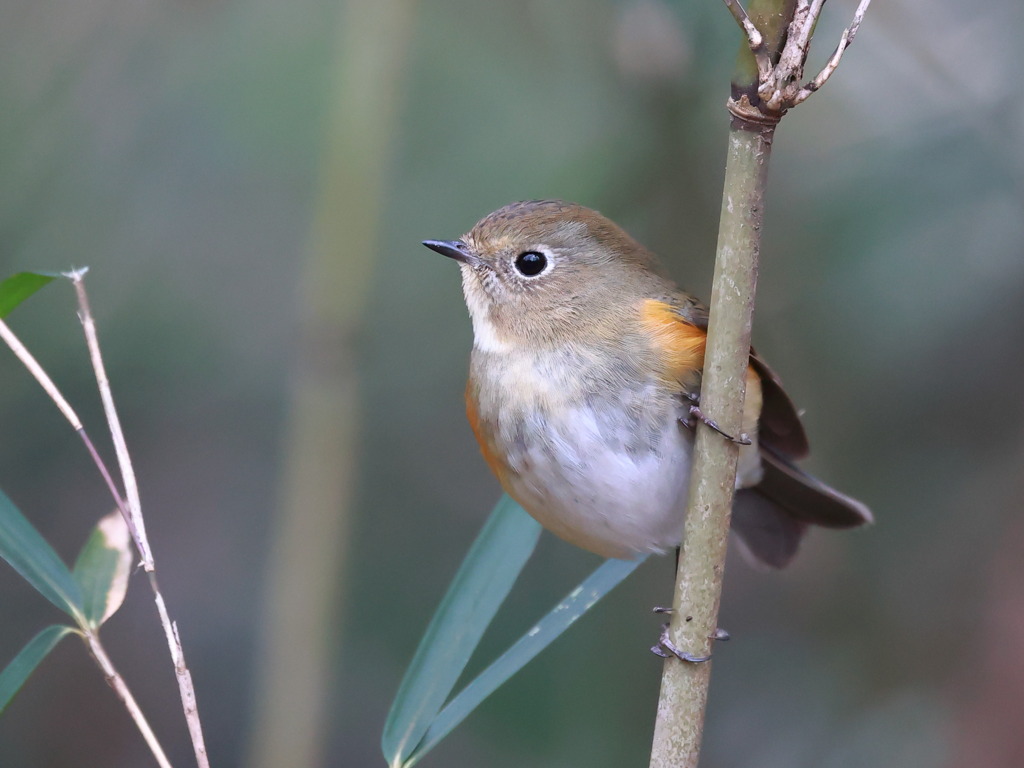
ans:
(308, 552)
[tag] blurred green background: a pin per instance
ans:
(212, 163)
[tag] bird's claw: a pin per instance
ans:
(696, 413)
(666, 648)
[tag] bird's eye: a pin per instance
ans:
(531, 263)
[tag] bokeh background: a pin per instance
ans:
(248, 182)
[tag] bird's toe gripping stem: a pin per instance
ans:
(695, 413)
(666, 648)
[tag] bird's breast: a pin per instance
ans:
(594, 451)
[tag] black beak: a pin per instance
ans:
(453, 249)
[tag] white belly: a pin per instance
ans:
(583, 483)
(610, 472)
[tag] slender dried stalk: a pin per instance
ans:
(755, 40)
(775, 89)
(40, 375)
(130, 510)
(138, 525)
(844, 42)
(92, 640)
(185, 687)
(33, 366)
(120, 687)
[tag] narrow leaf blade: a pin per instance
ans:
(605, 578)
(482, 583)
(30, 555)
(16, 288)
(17, 672)
(103, 567)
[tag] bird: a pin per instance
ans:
(584, 384)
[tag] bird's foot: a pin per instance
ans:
(696, 414)
(665, 648)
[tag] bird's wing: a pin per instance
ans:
(771, 517)
(779, 427)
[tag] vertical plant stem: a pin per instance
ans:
(41, 376)
(760, 97)
(679, 723)
(138, 529)
(124, 460)
(300, 639)
(117, 682)
(186, 690)
(684, 686)
(132, 513)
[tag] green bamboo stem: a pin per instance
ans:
(684, 686)
(767, 82)
(767, 29)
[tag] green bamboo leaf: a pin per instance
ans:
(103, 567)
(16, 288)
(30, 555)
(605, 578)
(482, 583)
(17, 672)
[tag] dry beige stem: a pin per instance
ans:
(779, 87)
(120, 688)
(754, 38)
(184, 677)
(39, 374)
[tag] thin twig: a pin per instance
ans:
(65, 408)
(105, 473)
(754, 38)
(844, 42)
(184, 677)
(186, 689)
(131, 487)
(132, 513)
(40, 375)
(117, 682)
(779, 87)
(798, 41)
(778, 92)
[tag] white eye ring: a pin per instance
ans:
(533, 263)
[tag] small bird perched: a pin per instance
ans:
(584, 382)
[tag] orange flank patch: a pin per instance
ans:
(681, 345)
(496, 464)
(682, 349)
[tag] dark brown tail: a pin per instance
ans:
(770, 518)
